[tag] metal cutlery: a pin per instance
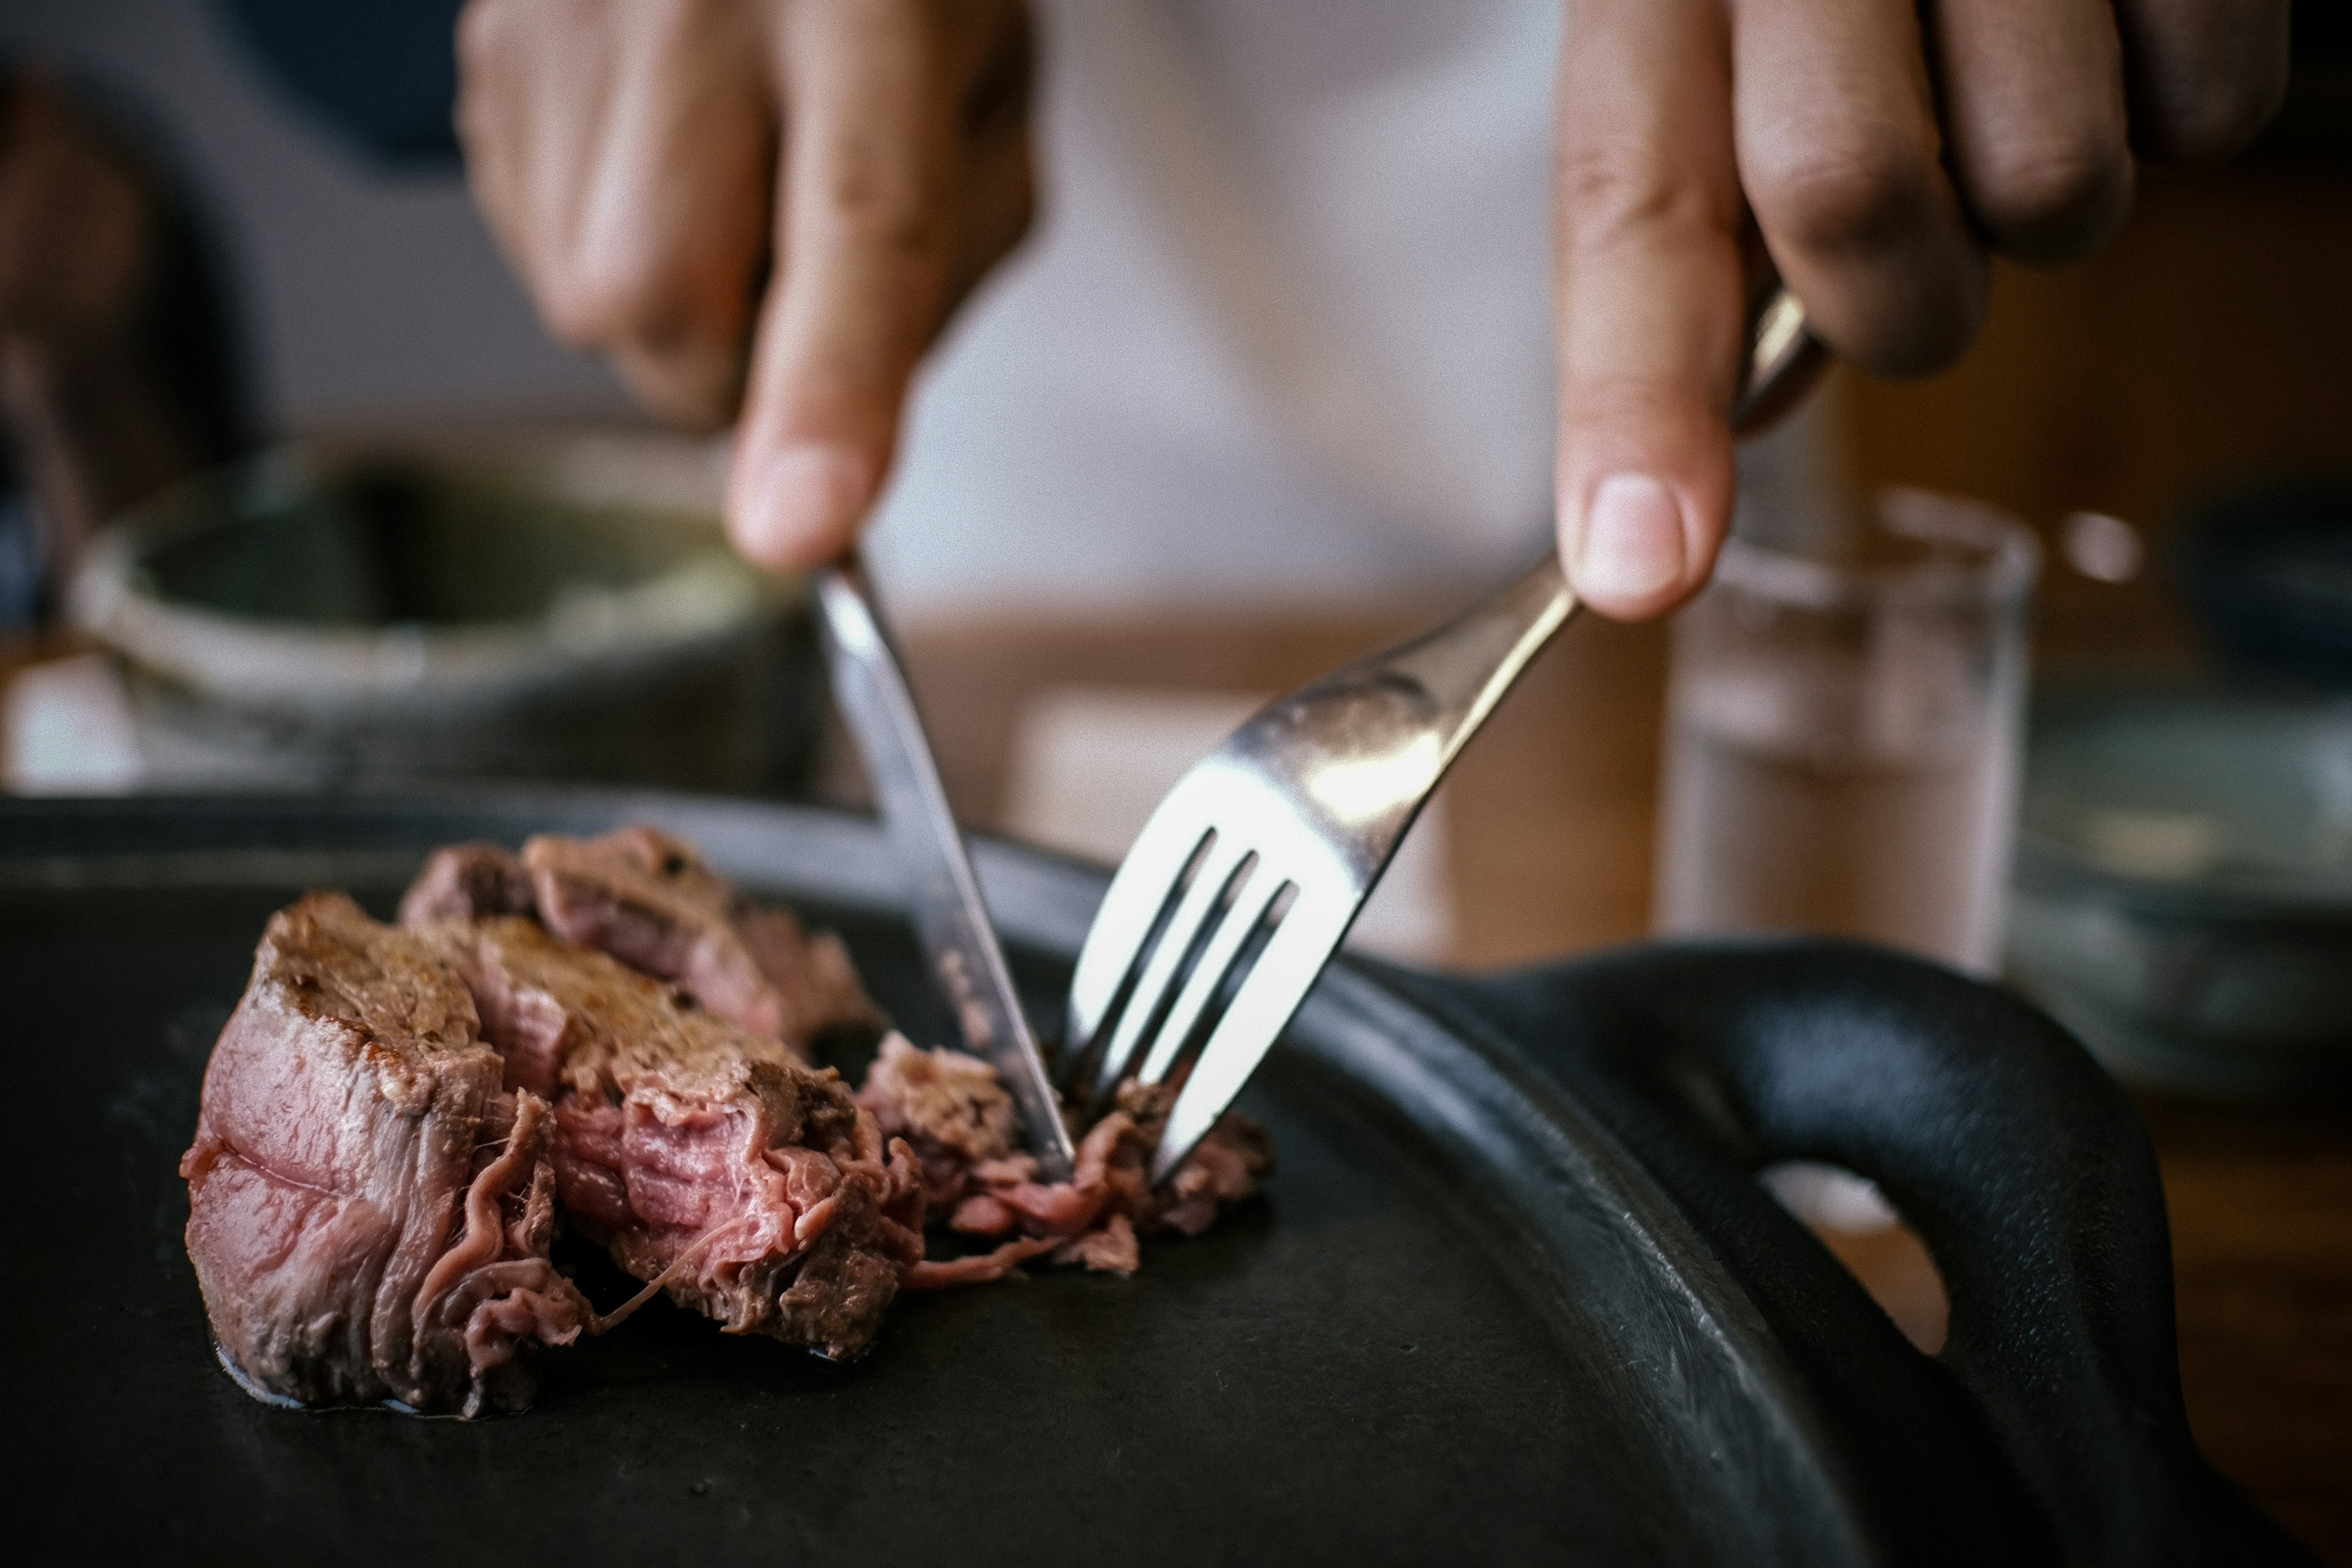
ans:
(1250, 871)
(870, 689)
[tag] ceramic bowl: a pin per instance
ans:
(2184, 888)
(521, 604)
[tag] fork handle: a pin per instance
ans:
(1466, 665)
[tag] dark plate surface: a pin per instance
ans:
(1461, 1324)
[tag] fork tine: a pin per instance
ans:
(1208, 976)
(1277, 984)
(1328, 779)
(1148, 881)
(1220, 875)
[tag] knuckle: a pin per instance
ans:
(2216, 117)
(2054, 195)
(1838, 198)
(1606, 188)
(1921, 331)
(1616, 407)
(823, 398)
(617, 297)
(694, 389)
(489, 33)
(1007, 203)
(888, 209)
(1931, 340)
(574, 317)
(1023, 214)
(1002, 86)
(997, 228)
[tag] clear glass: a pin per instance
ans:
(1843, 735)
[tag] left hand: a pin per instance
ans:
(1884, 158)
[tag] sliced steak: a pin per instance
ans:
(959, 1121)
(650, 899)
(368, 1208)
(604, 1028)
(467, 881)
(702, 1154)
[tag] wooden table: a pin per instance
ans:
(1549, 817)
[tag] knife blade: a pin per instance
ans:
(870, 689)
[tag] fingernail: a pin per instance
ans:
(1632, 545)
(809, 504)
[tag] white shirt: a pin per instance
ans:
(1283, 335)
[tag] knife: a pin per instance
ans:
(870, 687)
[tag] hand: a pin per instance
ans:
(764, 206)
(1882, 165)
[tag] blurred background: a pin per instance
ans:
(295, 492)
(315, 269)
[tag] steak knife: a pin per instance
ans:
(967, 964)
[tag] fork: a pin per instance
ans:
(1250, 869)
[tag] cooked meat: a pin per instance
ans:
(1224, 1167)
(959, 1121)
(369, 1208)
(650, 900)
(466, 882)
(605, 1029)
(949, 1106)
(698, 1153)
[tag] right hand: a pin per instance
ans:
(764, 210)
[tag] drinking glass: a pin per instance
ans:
(1843, 734)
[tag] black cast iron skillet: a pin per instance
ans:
(1512, 1295)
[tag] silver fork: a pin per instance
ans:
(1251, 870)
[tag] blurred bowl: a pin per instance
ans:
(521, 604)
(2267, 567)
(2184, 887)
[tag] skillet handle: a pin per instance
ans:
(2023, 1166)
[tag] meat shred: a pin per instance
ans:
(959, 1118)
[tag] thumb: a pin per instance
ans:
(864, 265)
(1650, 298)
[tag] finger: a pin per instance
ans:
(675, 232)
(637, 183)
(1000, 203)
(1000, 178)
(866, 256)
(2204, 76)
(1648, 296)
(2033, 104)
(1840, 155)
(530, 96)
(484, 116)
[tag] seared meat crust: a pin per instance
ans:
(369, 1208)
